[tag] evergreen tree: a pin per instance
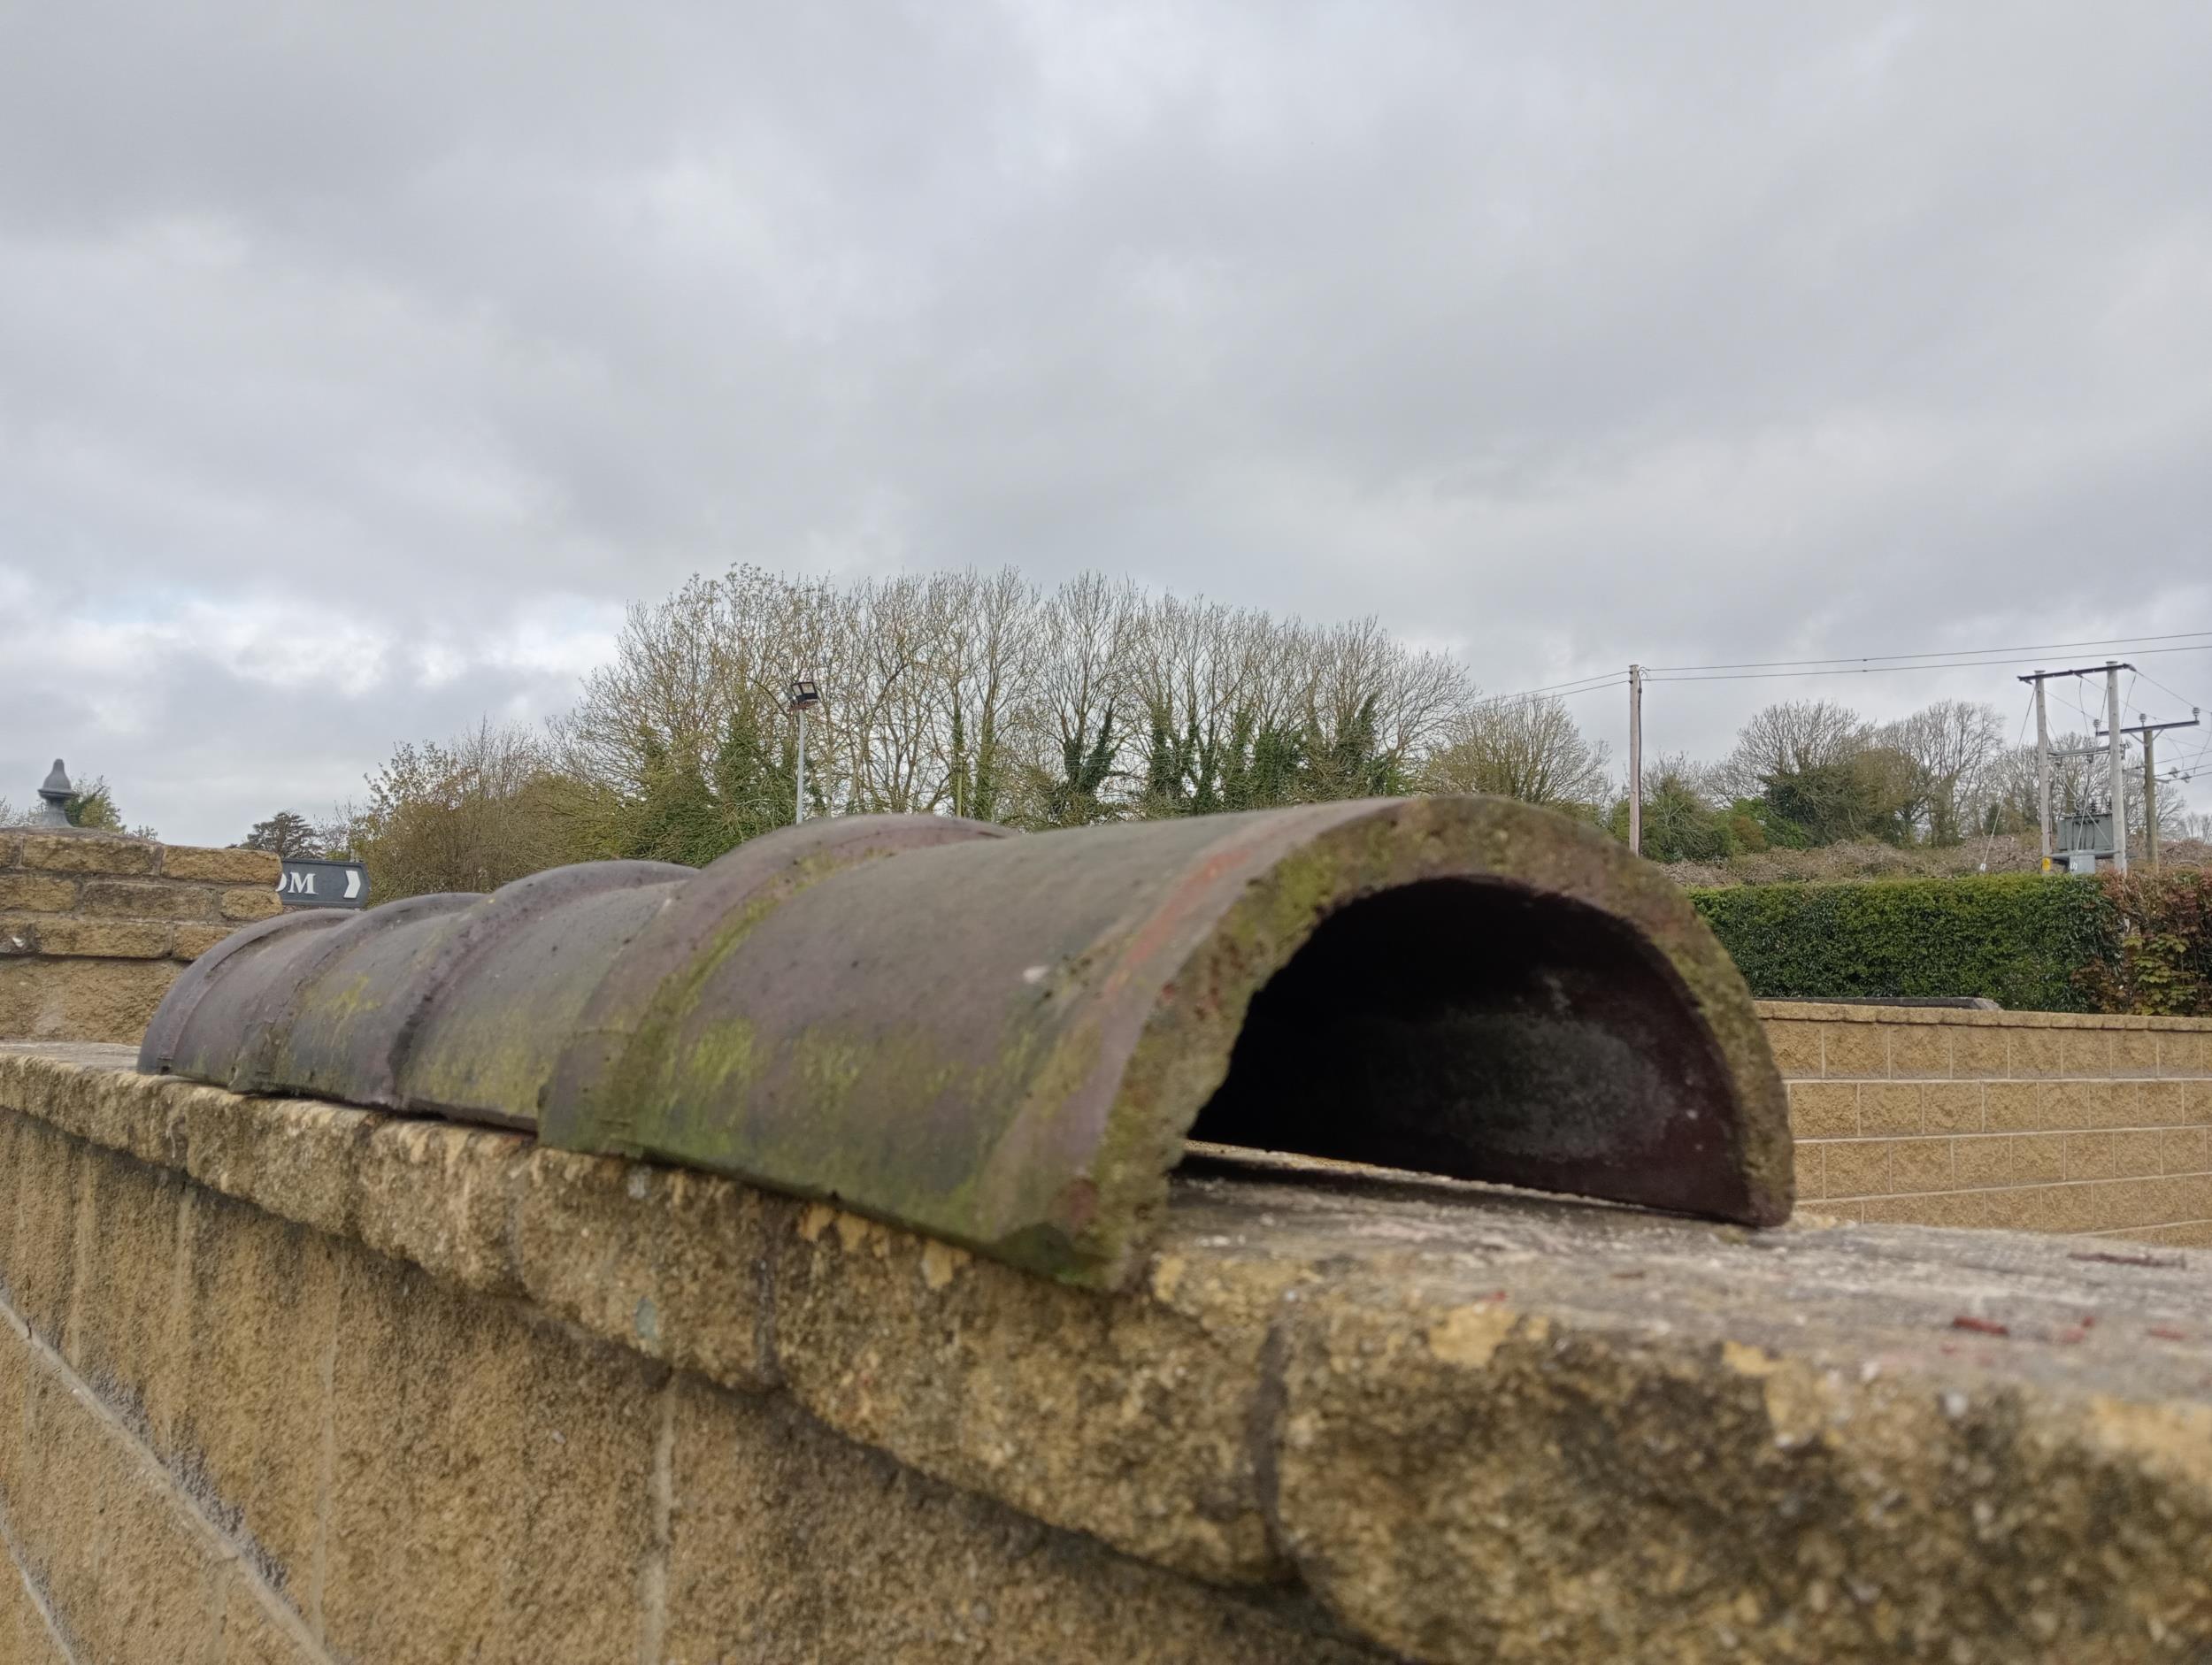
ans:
(284, 833)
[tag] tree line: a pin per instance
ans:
(986, 695)
(1805, 774)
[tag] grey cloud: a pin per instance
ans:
(1567, 334)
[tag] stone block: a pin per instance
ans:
(127, 1569)
(2162, 1103)
(436, 1193)
(2114, 1205)
(296, 1158)
(673, 1264)
(2197, 1101)
(11, 848)
(2084, 1053)
(221, 867)
(144, 899)
(192, 941)
(1858, 1051)
(1987, 1160)
(2023, 1207)
(25, 1637)
(491, 1487)
(1920, 1051)
(2184, 1150)
(80, 999)
(2185, 1052)
(2134, 1052)
(1571, 1546)
(15, 1370)
(67, 853)
(245, 1419)
(1811, 1168)
(41, 1176)
(91, 939)
(1952, 1107)
(1796, 1048)
(1889, 1107)
(2189, 1196)
(2109, 1103)
(2038, 1159)
(1858, 1167)
(2036, 1052)
(123, 1325)
(2090, 1155)
(117, 1109)
(1128, 1418)
(1824, 1109)
(1980, 1052)
(37, 893)
(846, 1556)
(2138, 1153)
(244, 905)
(1920, 1165)
(260, 1630)
(2069, 1105)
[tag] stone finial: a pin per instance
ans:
(54, 790)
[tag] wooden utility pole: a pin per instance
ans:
(2112, 768)
(2150, 732)
(1636, 760)
(2150, 796)
(2042, 772)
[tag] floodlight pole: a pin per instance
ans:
(798, 797)
(802, 692)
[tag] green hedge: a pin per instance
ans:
(2024, 941)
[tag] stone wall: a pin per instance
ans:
(2038, 1121)
(94, 927)
(283, 1381)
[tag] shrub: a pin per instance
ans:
(2139, 944)
(2157, 955)
(2020, 940)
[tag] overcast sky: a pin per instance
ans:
(357, 364)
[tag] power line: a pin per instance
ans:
(1857, 659)
(1561, 690)
(1860, 670)
(2194, 705)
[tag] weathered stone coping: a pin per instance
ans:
(1476, 1425)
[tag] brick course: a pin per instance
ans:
(2042, 1121)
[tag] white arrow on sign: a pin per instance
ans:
(353, 882)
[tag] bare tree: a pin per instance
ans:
(884, 703)
(1528, 749)
(1082, 697)
(986, 663)
(1948, 748)
(1795, 737)
(1196, 669)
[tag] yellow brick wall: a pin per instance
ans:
(2037, 1121)
(93, 930)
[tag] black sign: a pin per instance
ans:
(323, 885)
